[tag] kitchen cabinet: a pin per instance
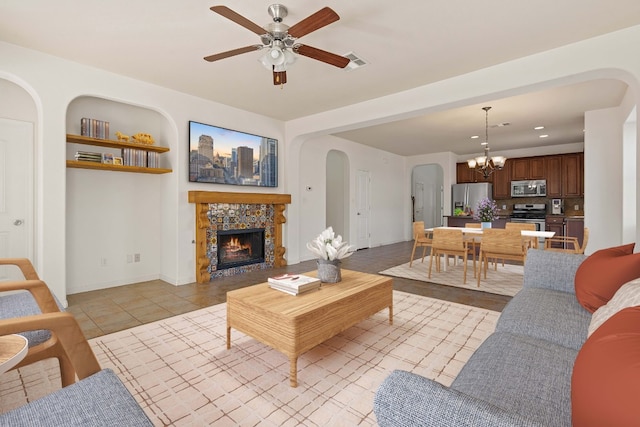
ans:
(519, 168)
(554, 175)
(572, 175)
(526, 168)
(465, 175)
(502, 182)
(555, 223)
(574, 227)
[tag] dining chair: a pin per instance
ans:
(567, 243)
(503, 244)
(421, 238)
(451, 242)
(532, 241)
(19, 311)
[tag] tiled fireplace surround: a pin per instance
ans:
(227, 211)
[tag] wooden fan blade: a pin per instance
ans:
(238, 19)
(321, 55)
(233, 52)
(279, 77)
(321, 18)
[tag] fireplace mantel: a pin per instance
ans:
(202, 199)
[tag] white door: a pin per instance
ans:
(363, 181)
(16, 193)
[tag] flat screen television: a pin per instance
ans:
(225, 156)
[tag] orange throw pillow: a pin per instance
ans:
(605, 383)
(603, 273)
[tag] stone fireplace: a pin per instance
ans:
(237, 232)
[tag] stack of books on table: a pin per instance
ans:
(294, 284)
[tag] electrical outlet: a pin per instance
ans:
(103, 262)
(576, 207)
(136, 258)
(504, 207)
(129, 258)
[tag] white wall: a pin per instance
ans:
(387, 198)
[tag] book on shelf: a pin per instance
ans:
(294, 284)
(94, 128)
(88, 156)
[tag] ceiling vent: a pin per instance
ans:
(354, 61)
(500, 125)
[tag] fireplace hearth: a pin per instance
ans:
(240, 247)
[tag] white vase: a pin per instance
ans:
(486, 224)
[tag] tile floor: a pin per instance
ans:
(105, 311)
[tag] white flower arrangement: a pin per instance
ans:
(329, 246)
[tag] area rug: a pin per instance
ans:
(507, 280)
(181, 373)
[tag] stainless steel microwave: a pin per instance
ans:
(536, 188)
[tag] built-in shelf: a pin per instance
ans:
(109, 143)
(118, 168)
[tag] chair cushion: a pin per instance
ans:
(96, 401)
(603, 273)
(19, 305)
(606, 377)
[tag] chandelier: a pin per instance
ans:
(484, 164)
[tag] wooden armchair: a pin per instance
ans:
(567, 243)
(451, 242)
(36, 315)
(421, 239)
(500, 244)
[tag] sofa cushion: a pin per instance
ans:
(98, 400)
(523, 375)
(549, 315)
(606, 377)
(627, 296)
(601, 275)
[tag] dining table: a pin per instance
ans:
(476, 233)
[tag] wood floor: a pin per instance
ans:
(114, 309)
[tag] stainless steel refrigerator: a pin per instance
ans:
(465, 196)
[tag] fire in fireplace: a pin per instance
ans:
(240, 247)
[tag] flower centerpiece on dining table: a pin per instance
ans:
(330, 249)
(486, 212)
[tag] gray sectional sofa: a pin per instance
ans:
(520, 375)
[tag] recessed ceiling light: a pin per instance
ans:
(539, 127)
(544, 136)
(475, 137)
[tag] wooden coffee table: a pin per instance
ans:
(295, 324)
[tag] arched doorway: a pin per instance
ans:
(427, 194)
(337, 195)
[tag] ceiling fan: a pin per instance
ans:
(280, 40)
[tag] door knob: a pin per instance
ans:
(18, 222)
